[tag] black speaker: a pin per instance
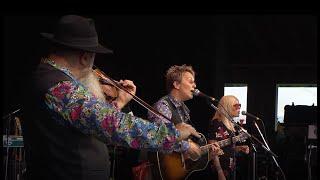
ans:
(300, 114)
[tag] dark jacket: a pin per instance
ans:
(55, 151)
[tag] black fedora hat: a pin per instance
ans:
(77, 32)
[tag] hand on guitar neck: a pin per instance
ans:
(195, 151)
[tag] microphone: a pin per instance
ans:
(248, 114)
(197, 92)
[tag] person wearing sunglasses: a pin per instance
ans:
(221, 128)
(68, 123)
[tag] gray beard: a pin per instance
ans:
(90, 81)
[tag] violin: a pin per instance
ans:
(115, 86)
(109, 89)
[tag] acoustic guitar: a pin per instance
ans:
(175, 166)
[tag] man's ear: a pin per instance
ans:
(85, 58)
(82, 58)
(176, 85)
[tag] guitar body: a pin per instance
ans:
(175, 166)
(171, 166)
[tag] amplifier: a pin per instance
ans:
(12, 141)
(312, 132)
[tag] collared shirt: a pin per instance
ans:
(72, 104)
(163, 107)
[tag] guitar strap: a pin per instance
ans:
(154, 157)
(175, 118)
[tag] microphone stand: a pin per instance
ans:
(267, 149)
(10, 114)
(9, 119)
(254, 151)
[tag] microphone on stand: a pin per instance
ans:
(250, 115)
(197, 92)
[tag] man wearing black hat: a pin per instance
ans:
(67, 122)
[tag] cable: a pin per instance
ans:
(159, 168)
(114, 162)
(310, 147)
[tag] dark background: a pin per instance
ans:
(259, 50)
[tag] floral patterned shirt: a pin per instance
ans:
(72, 104)
(218, 131)
(163, 107)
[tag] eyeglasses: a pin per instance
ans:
(237, 105)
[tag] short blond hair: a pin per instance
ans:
(174, 73)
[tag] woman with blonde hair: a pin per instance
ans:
(220, 128)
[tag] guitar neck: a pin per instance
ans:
(221, 143)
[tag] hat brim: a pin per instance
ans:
(96, 49)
